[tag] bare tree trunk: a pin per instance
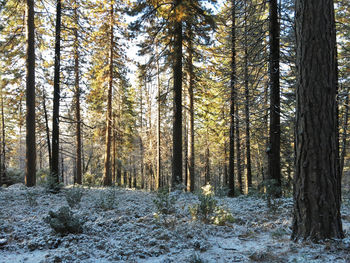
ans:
(56, 99)
(177, 107)
(107, 178)
(231, 168)
(238, 155)
(274, 160)
(191, 157)
(345, 132)
(30, 176)
(77, 97)
(247, 101)
(317, 179)
(47, 131)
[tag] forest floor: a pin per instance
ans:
(127, 229)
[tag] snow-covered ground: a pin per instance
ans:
(131, 233)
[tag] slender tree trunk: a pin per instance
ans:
(231, 168)
(177, 107)
(141, 139)
(30, 176)
(191, 170)
(3, 142)
(77, 97)
(47, 128)
(345, 132)
(207, 165)
(114, 151)
(238, 153)
(317, 179)
(56, 98)
(247, 101)
(107, 178)
(274, 166)
(159, 158)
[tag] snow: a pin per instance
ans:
(131, 233)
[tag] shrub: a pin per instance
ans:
(14, 176)
(51, 184)
(73, 196)
(42, 176)
(107, 199)
(64, 222)
(164, 203)
(31, 198)
(207, 204)
(208, 211)
(90, 179)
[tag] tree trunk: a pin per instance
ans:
(231, 168)
(3, 142)
(159, 159)
(56, 99)
(317, 177)
(238, 153)
(30, 176)
(177, 107)
(345, 132)
(77, 98)
(247, 101)
(274, 166)
(47, 130)
(191, 170)
(107, 178)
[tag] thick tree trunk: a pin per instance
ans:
(107, 177)
(231, 166)
(177, 106)
(77, 98)
(30, 176)
(56, 99)
(317, 177)
(274, 166)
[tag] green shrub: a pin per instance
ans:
(90, 179)
(207, 205)
(73, 196)
(208, 211)
(107, 199)
(41, 176)
(31, 198)
(14, 176)
(64, 222)
(164, 203)
(51, 184)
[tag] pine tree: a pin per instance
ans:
(317, 177)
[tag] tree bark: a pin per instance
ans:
(231, 168)
(238, 153)
(56, 98)
(30, 175)
(345, 132)
(177, 106)
(77, 98)
(247, 101)
(274, 160)
(317, 177)
(191, 157)
(107, 178)
(47, 130)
